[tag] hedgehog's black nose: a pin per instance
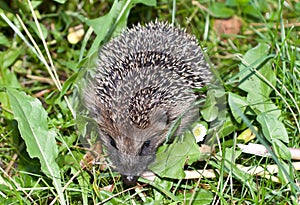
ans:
(129, 180)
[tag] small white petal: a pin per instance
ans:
(199, 132)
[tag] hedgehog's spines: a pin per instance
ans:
(145, 80)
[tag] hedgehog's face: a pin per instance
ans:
(131, 148)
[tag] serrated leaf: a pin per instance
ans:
(170, 159)
(272, 128)
(33, 127)
(251, 81)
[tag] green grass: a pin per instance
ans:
(257, 98)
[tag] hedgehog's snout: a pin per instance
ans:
(127, 163)
(129, 180)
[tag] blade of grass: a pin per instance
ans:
(18, 32)
(173, 12)
(55, 76)
(51, 69)
(17, 185)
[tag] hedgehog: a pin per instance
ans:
(145, 80)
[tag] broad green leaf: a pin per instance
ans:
(281, 149)
(237, 3)
(252, 11)
(35, 4)
(4, 40)
(297, 6)
(251, 81)
(102, 26)
(253, 59)
(262, 104)
(235, 101)
(227, 127)
(61, 1)
(286, 167)
(33, 127)
(210, 111)
(272, 128)
(219, 10)
(8, 79)
(103, 194)
(7, 58)
(170, 159)
(146, 2)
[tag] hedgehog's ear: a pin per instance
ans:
(159, 119)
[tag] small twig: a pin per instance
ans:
(51, 69)
(260, 150)
(200, 6)
(37, 49)
(288, 25)
(41, 93)
(41, 79)
(11, 163)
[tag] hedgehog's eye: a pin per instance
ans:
(113, 143)
(146, 144)
(144, 151)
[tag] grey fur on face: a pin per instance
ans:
(144, 82)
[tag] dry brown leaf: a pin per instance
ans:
(93, 156)
(227, 26)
